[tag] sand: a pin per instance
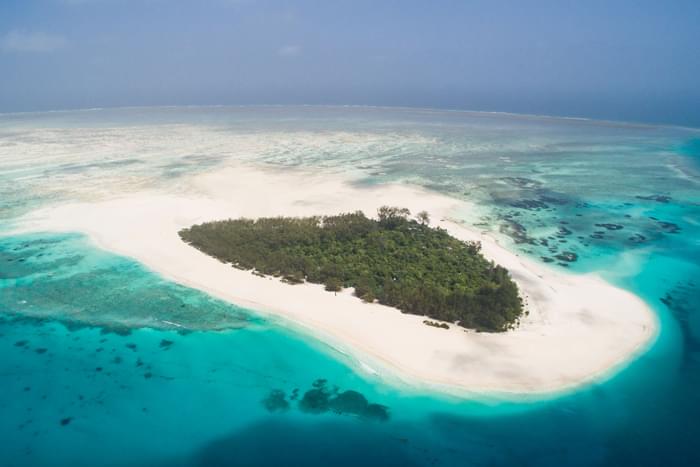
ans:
(579, 329)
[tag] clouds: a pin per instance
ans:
(289, 51)
(31, 42)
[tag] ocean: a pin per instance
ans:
(91, 377)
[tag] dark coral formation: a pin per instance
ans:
(567, 256)
(611, 226)
(516, 231)
(165, 344)
(669, 227)
(530, 204)
(637, 238)
(679, 300)
(658, 198)
(276, 401)
(323, 399)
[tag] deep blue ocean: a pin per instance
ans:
(90, 379)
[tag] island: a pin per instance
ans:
(574, 328)
(394, 260)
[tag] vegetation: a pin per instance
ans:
(436, 324)
(394, 260)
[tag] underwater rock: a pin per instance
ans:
(637, 238)
(554, 198)
(658, 198)
(349, 402)
(377, 412)
(314, 401)
(354, 403)
(276, 401)
(529, 204)
(567, 256)
(522, 182)
(320, 399)
(611, 226)
(165, 344)
(669, 227)
(680, 300)
(119, 330)
(517, 232)
(295, 394)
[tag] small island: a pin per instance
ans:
(394, 260)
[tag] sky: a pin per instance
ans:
(631, 60)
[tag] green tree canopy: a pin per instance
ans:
(394, 260)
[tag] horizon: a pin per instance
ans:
(625, 61)
(622, 123)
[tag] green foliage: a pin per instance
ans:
(395, 260)
(333, 284)
(423, 217)
(435, 324)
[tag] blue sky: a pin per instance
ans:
(615, 59)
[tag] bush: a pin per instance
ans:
(435, 324)
(368, 297)
(333, 284)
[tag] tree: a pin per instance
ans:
(333, 284)
(392, 216)
(423, 217)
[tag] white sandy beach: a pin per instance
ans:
(579, 328)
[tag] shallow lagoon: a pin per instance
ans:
(83, 384)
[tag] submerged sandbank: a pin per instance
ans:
(578, 328)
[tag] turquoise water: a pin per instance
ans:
(106, 363)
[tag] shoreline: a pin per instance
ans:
(579, 330)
